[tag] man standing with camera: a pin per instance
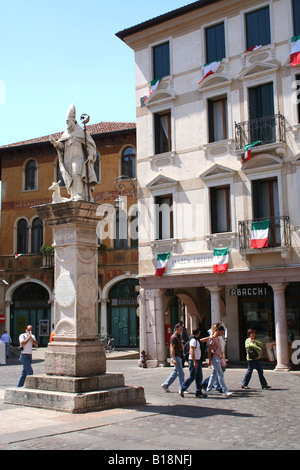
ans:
(27, 340)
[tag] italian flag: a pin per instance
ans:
(260, 234)
(220, 260)
(295, 50)
(153, 87)
(162, 260)
(247, 149)
(17, 255)
(254, 48)
(210, 69)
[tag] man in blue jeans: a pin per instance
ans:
(176, 348)
(195, 365)
(27, 340)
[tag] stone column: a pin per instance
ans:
(281, 334)
(75, 350)
(216, 311)
(142, 323)
(160, 328)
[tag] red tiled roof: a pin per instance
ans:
(93, 129)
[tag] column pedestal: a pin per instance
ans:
(75, 362)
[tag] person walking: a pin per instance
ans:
(254, 353)
(176, 348)
(7, 340)
(27, 340)
(215, 356)
(195, 365)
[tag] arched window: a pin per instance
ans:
(22, 236)
(31, 175)
(36, 235)
(128, 162)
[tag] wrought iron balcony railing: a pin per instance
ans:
(268, 130)
(279, 232)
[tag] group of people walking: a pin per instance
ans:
(216, 359)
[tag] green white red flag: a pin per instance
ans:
(247, 149)
(295, 51)
(220, 260)
(162, 261)
(153, 87)
(253, 48)
(260, 234)
(210, 69)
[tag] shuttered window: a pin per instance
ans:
(258, 28)
(217, 119)
(162, 124)
(215, 43)
(161, 61)
(296, 13)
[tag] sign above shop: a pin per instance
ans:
(248, 291)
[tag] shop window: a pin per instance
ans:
(164, 217)
(161, 61)
(296, 17)
(31, 175)
(217, 119)
(36, 235)
(220, 209)
(128, 162)
(258, 28)
(215, 43)
(22, 236)
(162, 124)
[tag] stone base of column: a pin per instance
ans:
(282, 368)
(75, 359)
(76, 394)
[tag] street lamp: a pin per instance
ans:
(120, 187)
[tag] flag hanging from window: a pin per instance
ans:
(153, 87)
(162, 261)
(260, 234)
(210, 69)
(295, 50)
(220, 260)
(253, 48)
(17, 255)
(248, 148)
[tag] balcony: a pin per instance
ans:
(279, 235)
(269, 130)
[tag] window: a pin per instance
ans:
(266, 205)
(164, 216)
(220, 209)
(261, 106)
(296, 15)
(128, 162)
(215, 43)
(22, 236)
(162, 123)
(36, 235)
(161, 61)
(258, 28)
(217, 119)
(31, 175)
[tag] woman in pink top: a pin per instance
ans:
(215, 355)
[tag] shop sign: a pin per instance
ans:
(123, 302)
(247, 291)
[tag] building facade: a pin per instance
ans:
(26, 274)
(218, 131)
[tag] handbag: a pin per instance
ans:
(252, 353)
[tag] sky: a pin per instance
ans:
(53, 53)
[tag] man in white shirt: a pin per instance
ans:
(195, 365)
(27, 340)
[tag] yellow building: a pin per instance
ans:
(26, 274)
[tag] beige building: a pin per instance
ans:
(196, 192)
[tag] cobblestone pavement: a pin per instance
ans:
(252, 419)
